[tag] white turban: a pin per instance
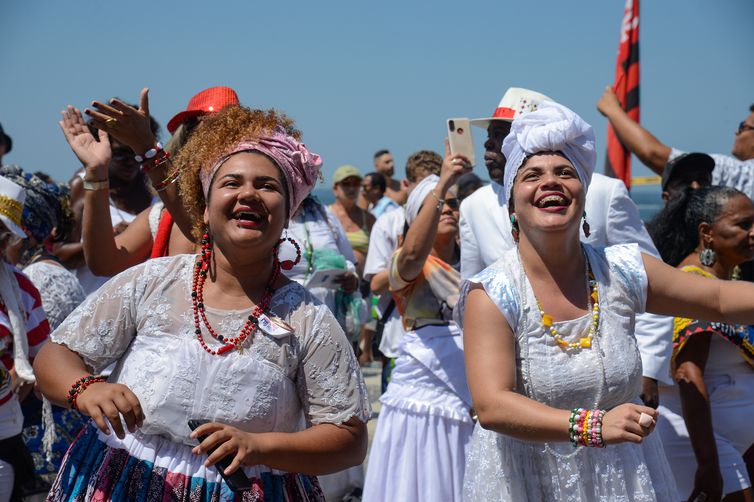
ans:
(551, 128)
(417, 196)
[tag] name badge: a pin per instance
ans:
(274, 327)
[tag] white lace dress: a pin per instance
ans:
(59, 288)
(499, 467)
(142, 320)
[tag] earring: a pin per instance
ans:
(288, 264)
(206, 251)
(707, 257)
(514, 227)
(585, 226)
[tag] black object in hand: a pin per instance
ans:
(238, 481)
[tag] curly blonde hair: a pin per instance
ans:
(216, 134)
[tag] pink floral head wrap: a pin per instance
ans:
(299, 166)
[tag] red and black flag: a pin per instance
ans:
(626, 86)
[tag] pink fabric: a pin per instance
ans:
(300, 167)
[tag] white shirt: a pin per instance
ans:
(383, 242)
(729, 171)
(613, 219)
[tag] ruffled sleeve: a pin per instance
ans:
(103, 326)
(627, 265)
(498, 283)
(329, 380)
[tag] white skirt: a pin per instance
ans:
(419, 449)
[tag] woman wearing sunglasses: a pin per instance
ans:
(425, 422)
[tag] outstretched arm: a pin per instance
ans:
(676, 293)
(489, 349)
(108, 254)
(653, 153)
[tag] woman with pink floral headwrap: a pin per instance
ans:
(221, 337)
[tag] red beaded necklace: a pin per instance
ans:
(197, 299)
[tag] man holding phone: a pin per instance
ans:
(612, 218)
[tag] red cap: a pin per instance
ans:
(209, 100)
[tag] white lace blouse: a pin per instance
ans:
(59, 288)
(142, 320)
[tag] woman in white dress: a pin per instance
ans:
(221, 337)
(418, 452)
(548, 337)
(705, 420)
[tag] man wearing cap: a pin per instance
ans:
(5, 144)
(735, 170)
(692, 170)
(612, 216)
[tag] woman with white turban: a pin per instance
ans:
(418, 451)
(548, 336)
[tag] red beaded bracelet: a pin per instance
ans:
(79, 385)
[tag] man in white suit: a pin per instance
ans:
(612, 216)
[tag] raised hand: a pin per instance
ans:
(111, 401)
(453, 166)
(608, 101)
(226, 440)
(94, 155)
(125, 123)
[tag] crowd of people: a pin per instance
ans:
(188, 321)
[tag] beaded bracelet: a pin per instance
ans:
(585, 428)
(149, 154)
(164, 184)
(79, 385)
(159, 159)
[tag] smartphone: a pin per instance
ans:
(459, 137)
(238, 481)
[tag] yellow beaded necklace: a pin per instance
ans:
(594, 306)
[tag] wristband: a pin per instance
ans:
(149, 153)
(96, 185)
(79, 385)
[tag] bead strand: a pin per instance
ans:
(80, 385)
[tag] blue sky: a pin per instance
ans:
(358, 77)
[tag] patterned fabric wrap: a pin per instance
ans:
(68, 424)
(92, 470)
(551, 128)
(45, 202)
(740, 336)
(300, 167)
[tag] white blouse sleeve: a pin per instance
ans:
(627, 264)
(499, 288)
(329, 380)
(101, 329)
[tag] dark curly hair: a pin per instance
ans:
(215, 135)
(675, 229)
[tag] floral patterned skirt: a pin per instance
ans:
(92, 470)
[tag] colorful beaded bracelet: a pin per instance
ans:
(585, 428)
(79, 385)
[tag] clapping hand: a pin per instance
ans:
(125, 123)
(94, 155)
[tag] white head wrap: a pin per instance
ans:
(417, 196)
(551, 128)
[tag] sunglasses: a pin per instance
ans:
(743, 126)
(453, 203)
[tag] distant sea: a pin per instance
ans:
(646, 197)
